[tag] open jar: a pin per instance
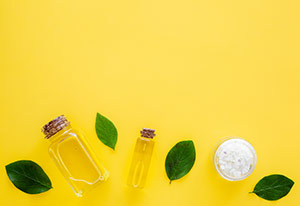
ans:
(235, 159)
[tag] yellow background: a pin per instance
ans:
(191, 69)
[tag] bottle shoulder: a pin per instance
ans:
(62, 136)
(144, 140)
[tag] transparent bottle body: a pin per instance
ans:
(76, 160)
(140, 162)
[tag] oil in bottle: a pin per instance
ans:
(141, 159)
(73, 156)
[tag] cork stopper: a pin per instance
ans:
(148, 133)
(54, 126)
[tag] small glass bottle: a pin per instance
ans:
(141, 159)
(73, 156)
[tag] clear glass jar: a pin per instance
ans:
(73, 156)
(234, 159)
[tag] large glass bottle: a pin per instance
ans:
(141, 159)
(73, 156)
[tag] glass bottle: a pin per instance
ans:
(73, 156)
(141, 159)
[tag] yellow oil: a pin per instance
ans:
(140, 163)
(76, 161)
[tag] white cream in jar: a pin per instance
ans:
(235, 159)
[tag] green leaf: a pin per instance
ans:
(180, 160)
(106, 131)
(273, 187)
(28, 176)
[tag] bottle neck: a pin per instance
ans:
(59, 133)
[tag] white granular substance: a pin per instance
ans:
(235, 158)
